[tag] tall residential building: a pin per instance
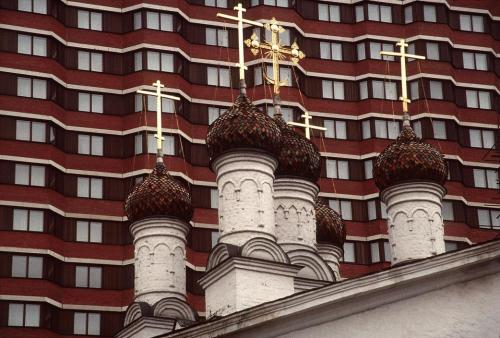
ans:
(75, 137)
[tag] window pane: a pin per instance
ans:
(94, 323)
(372, 210)
(393, 129)
(39, 89)
(492, 178)
(22, 130)
(484, 100)
(368, 164)
(167, 62)
(363, 90)
(375, 49)
(335, 205)
(390, 91)
(166, 22)
(35, 267)
(169, 146)
(375, 253)
(334, 13)
(432, 50)
(343, 169)
(95, 232)
(330, 128)
(215, 238)
(210, 36)
(387, 252)
(97, 145)
(213, 114)
(324, 48)
(97, 103)
(38, 132)
(79, 323)
(383, 210)
(40, 6)
(338, 90)
(37, 176)
(81, 276)
(83, 102)
(20, 220)
(96, 61)
(222, 38)
(153, 60)
(83, 60)
(385, 14)
(23, 87)
(408, 14)
(22, 174)
(327, 89)
(380, 128)
(24, 5)
(439, 128)
(365, 126)
(373, 13)
(483, 216)
(477, 23)
(96, 21)
(360, 47)
(349, 256)
(336, 51)
(360, 16)
(84, 144)
(430, 13)
(214, 198)
(212, 76)
(346, 208)
(82, 231)
(137, 20)
(341, 130)
(471, 96)
(23, 44)
(488, 139)
(481, 63)
(331, 168)
(436, 90)
(475, 138)
(450, 246)
(465, 22)
(495, 219)
(479, 178)
(378, 89)
(152, 20)
(96, 188)
(414, 90)
(19, 266)
(36, 220)
(286, 75)
(16, 314)
(32, 318)
(83, 19)
(95, 277)
(83, 187)
(224, 77)
(448, 211)
(468, 59)
(417, 128)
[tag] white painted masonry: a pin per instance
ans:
(246, 207)
(331, 254)
(414, 220)
(160, 250)
(294, 213)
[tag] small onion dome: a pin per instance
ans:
(330, 227)
(408, 159)
(243, 126)
(159, 195)
(298, 156)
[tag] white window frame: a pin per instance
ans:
(471, 23)
(89, 231)
(91, 61)
(328, 12)
(89, 20)
(343, 207)
(217, 37)
(24, 315)
(90, 328)
(338, 169)
(27, 220)
(480, 138)
(159, 21)
(90, 187)
(488, 218)
(32, 175)
(90, 102)
(31, 45)
(218, 77)
(27, 267)
(333, 89)
(331, 50)
(90, 145)
(168, 145)
(478, 99)
(335, 129)
(34, 6)
(88, 277)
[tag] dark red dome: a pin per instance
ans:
(330, 227)
(407, 159)
(159, 195)
(243, 126)
(298, 156)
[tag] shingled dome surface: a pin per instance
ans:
(330, 227)
(243, 126)
(159, 195)
(298, 156)
(409, 159)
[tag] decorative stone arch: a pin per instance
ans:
(414, 211)
(174, 308)
(219, 253)
(245, 179)
(263, 248)
(314, 267)
(137, 310)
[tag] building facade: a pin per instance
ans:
(75, 138)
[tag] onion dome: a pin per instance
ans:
(330, 227)
(298, 156)
(243, 126)
(159, 195)
(409, 159)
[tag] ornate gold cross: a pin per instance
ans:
(307, 126)
(239, 18)
(159, 95)
(275, 51)
(404, 90)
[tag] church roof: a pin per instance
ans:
(330, 227)
(159, 195)
(243, 126)
(297, 156)
(407, 159)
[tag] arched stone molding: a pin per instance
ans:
(137, 310)
(265, 249)
(174, 308)
(331, 254)
(313, 266)
(219, 254)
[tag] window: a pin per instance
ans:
(333, 89)
(488, 219)
(31, 45)
(368, 165)
(35, 88)
(285, 75)
(137, 20)
(360, 14)
(27, 315)
(360, 51)
(384, 90)
(215, 238)
(27, 266)
(414, 93)
(366, 129)
(167, 105)
(408, 14)
(163, 21)
(349, 254)
(486, 178)
(216, 37)
(90, 61)
(330, 50)
(89, 20)
(476, 61)
(218, 76)
(138, 149)
(89, 187)
(90, 102)
(436, 90)
(216, 3)
(137, 61)
(30, 131)
(439, 129)
(383, 210)
(478, 99)
(87, 323)
(387, 252)
(328, 12)
(88, 277)
(378, 13)
(27, 220)
(278, 3)
(284, 37)
(213, 114)
(375, 252)
(214, 198)
(35, 6)
(363, 90)
(337, 169)
(89, 231)
(335, 129)
(33, 175)
(286, 113)
(377, 47)
(160, 62)
(343, 207)
(482, 138)
(471, 23)
(432, 49)
(448, 211)
(430, 13)
(386, 129)
(450, 246)
(168, 145)
(372, 210)
(90, 145)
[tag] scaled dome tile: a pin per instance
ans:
(330, 227)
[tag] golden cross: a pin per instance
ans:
(276, 51)
(239, 18)
(159, 95)
(404, 90)
(307, 126)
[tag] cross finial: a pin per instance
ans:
(404, 90)
(241, 60)
(307, 126)
(159, 95)
(275, 51)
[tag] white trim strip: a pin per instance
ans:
(50, 301)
